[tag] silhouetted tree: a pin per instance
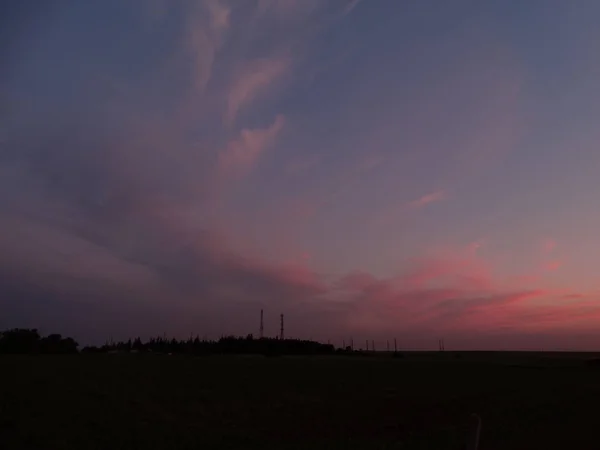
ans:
(18, 340)
(137, 344)
(24, 341)
(68, 345)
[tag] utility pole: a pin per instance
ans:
(281, 328)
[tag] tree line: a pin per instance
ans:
(224, 345)
(29, 341)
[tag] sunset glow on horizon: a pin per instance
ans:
(370, 169)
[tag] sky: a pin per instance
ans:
(371, 169)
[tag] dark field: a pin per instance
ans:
(526, 401)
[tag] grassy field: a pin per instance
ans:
(423, 401)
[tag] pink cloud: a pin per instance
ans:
(491, 301)
(450, 267)
(253, 79)
(475, 246)
(550, 262)
(205, 35)
(381, 305)
(553, 265)
(432, 197)
(241, 154)
(492, 311)
(219, 15)
(292, 275)
(453, 292)
(557, 316)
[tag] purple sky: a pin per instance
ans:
(371, 169)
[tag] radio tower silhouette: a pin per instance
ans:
(262, 326)
(281, 328)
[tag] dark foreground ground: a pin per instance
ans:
(421, 401)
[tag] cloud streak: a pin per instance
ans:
(427, 199)
(350, 6)
(253, 79)
(242, 154)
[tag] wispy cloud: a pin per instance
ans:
(451, 268)
(551, 262)
(427, 199)
(475, 246)
(350, 6)
(552, 265)
(207, 24)
(242, 153)
(254, 78)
